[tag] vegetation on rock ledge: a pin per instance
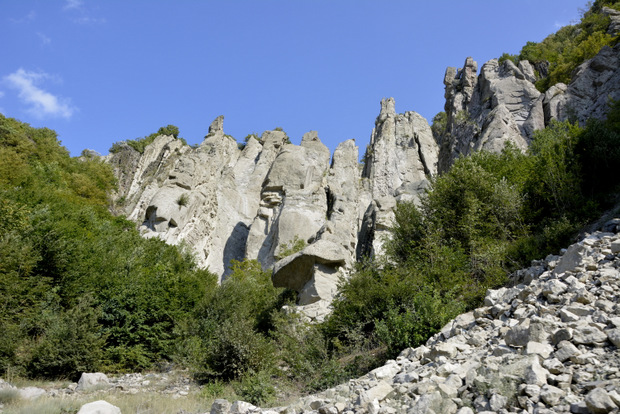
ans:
(560, 53)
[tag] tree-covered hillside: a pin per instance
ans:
(80, 289)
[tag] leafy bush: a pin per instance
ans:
(292, 247)
(71, 342)
(390, 307)
(553, 186)
(256, 388)
(439, 125)
(231, 326)
(598, 150)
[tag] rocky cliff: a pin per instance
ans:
(308, 214)
(270, 198)
(501, 104)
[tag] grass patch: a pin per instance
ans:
(9, 396)
(141, 403)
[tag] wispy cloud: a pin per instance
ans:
(40, 102)
(44, 39)
(89, 20)
(27, 18)
(81, 13)
(73, 4)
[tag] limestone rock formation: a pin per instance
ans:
(502, 105)
(401, 156)
(206, 196)
(228, 203)
(485, 112)
(91, 381)
(614, 17)
(293, 200)
(400, 159)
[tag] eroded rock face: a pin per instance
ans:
(398, 163)
(206, 196)
(501, 105)
(293, 200)
(485, 112)
(257, 202)
(402, 154)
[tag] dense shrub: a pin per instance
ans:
(599, 154)
(231, 327)
(391, 308)
(70, 342)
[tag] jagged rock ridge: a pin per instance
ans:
(257, 202)
(502, 105)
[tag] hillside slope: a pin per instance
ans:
(547, 345)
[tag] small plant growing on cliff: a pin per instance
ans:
(440, 123)
(183, 200)
(462, 117)
(247, 139)
(292, 247)
(288, 139)
(116, 147)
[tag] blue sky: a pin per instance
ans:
(101, 71)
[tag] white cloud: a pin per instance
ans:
(44, 39)
(73, 4)
(81, 13)
(89, 20)
(41, 103)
